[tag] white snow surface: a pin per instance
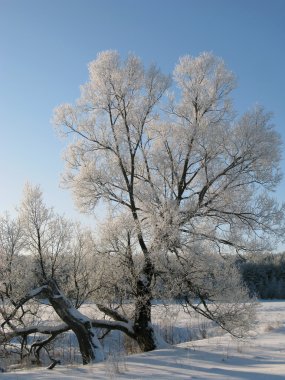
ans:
(262, 356)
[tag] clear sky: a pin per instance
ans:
(45, 46)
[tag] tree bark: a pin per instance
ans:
(143, 329)
(144, 333)
(89, 345)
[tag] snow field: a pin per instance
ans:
(261, 356)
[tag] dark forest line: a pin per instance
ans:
(264, 275)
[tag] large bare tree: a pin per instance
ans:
(183, 173)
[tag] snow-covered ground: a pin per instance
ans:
(220, 358)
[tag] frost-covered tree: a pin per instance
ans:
(45, 256)
(59, 262)
(184, 174)
(11, 244)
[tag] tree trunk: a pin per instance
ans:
(89, 344)
(144, 333)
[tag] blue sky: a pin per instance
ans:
(45, 46)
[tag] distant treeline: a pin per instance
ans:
(264, 274)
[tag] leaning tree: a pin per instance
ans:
(41, 253)
(46, 257)
(186, 181)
